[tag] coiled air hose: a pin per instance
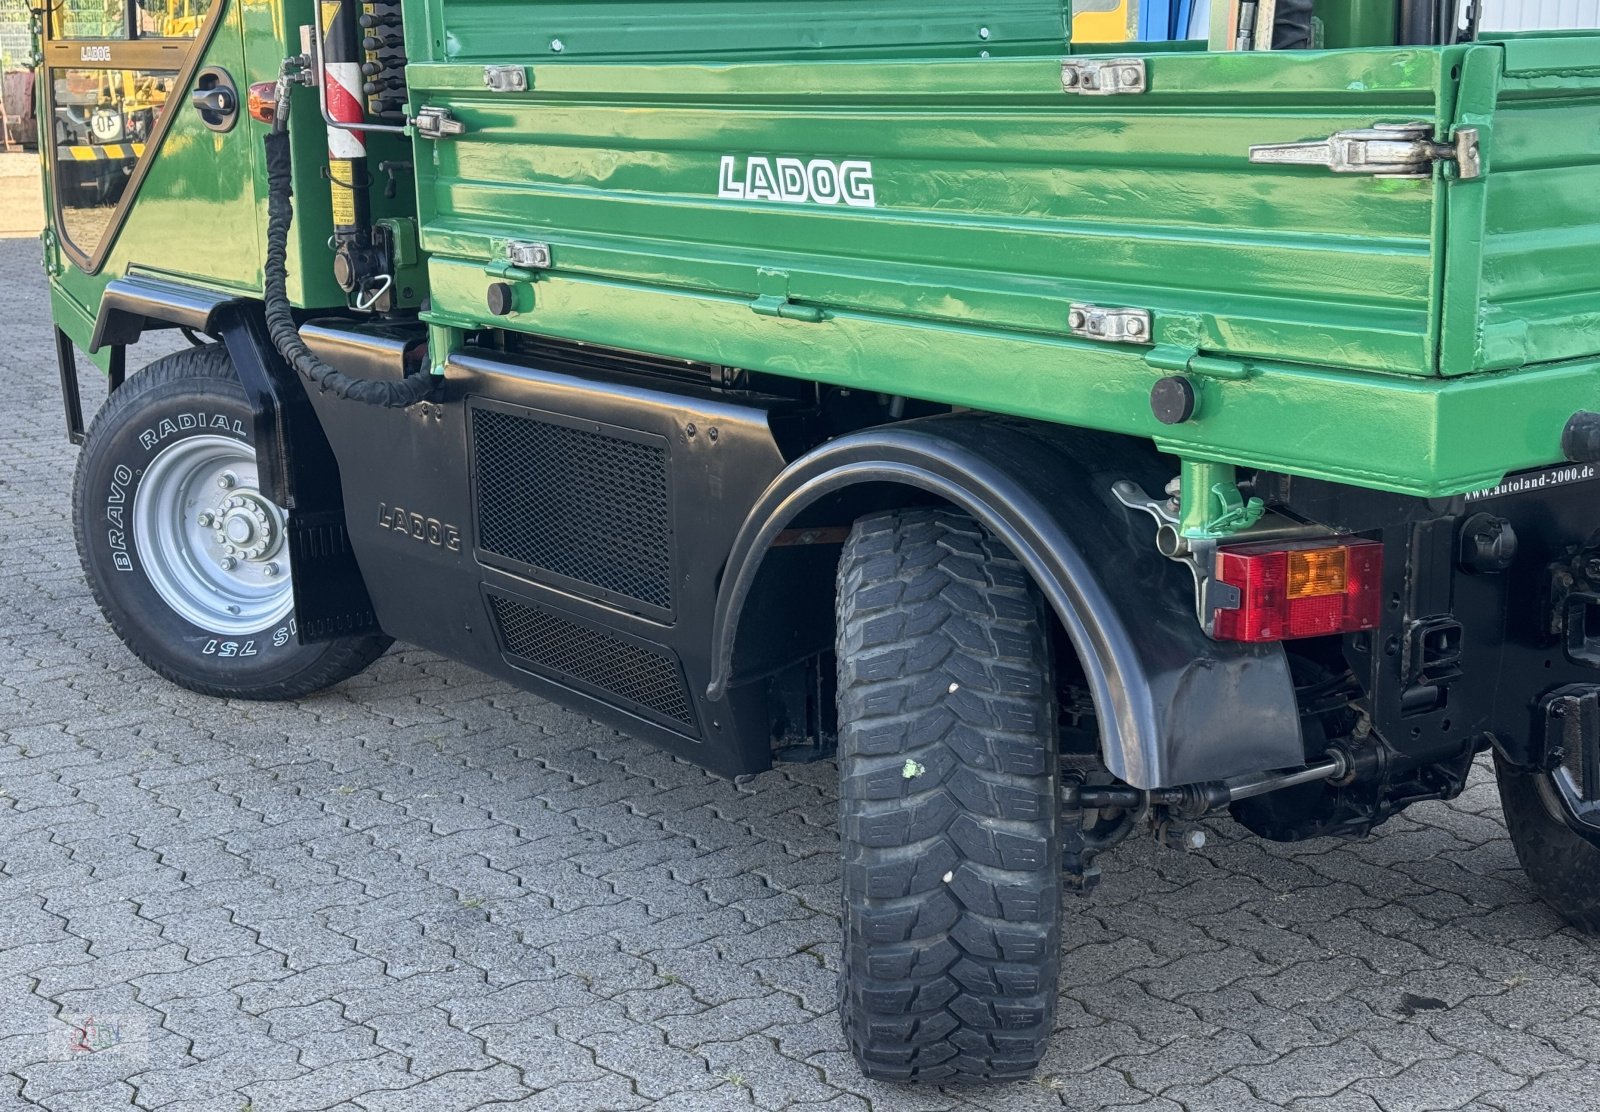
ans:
(280, 318)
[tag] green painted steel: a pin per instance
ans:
(1420, 335)
(1358, 22)
(708, 30)
(999, 200)
(1523, 254)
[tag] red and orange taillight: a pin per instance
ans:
(1301, 589)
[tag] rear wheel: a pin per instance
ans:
(950, 772)
(185, 555)
(1556, 833)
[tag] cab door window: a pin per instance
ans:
(103, 122)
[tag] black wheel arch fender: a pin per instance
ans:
(1174, 706)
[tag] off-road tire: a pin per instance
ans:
(948, 803)
(189, 393)
(1562, 863)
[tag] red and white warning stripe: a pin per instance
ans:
(343, 82)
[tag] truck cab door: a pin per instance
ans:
(149, 153)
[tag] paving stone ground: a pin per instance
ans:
(425, 891)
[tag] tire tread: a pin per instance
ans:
(944, 660)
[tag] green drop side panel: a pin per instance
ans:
(1523, 256)
(999, 199)
(710, 30)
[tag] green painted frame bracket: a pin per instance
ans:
(1209, 503)
(443, 339)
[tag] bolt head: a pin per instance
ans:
(1069, 78)
(227, 563)
(221, 537)
(557, 46)
(227, 480)
(205, 520)
(1135, 327)
(983, 32)
(1077, 318)
(271, 570)
(1130, 74)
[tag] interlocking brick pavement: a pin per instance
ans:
(427, 891)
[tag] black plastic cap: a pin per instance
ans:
(1173, 400)
(502, 299)
(1580, 440)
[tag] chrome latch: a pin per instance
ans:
(1406, 150)
(505, 79)
(1103, 77)
(1112, 325)
(528, 256)
(436, 123)
(1469, 158)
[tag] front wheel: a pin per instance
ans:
(1555, 831)
(948, 803)
(186, 557)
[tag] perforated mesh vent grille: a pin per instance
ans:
(579, 503)
(648, 679)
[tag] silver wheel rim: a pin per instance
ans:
(212, 545)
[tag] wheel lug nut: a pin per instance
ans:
(227, 480)
(227, 563)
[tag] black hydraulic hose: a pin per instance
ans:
(280, 318)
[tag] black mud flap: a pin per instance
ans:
(299, 472)
(1566, 740)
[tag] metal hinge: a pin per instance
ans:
(436, 123)
(1103, 77)
(1113, 325)
(1406, 150)
(772, 288)
(505, 79)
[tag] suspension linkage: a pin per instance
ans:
(1195, 800)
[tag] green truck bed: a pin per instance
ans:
(916, 206)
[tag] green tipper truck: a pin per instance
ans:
(1079, 441)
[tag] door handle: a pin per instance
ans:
(216, 98)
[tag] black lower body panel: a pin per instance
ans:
(563, 529)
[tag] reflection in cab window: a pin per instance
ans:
(96, 19)
(108, 19)
(103, 118)
(171, 19)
